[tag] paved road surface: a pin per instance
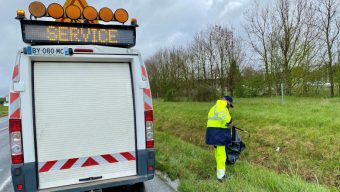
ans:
(156, 185)
(5, 179)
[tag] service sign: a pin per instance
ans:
(56, 33)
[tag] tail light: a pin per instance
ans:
(16, 141)
(149, 129)
(20, 187)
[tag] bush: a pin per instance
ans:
(170, 95)
(204, 92)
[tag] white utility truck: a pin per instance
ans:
(80, 114)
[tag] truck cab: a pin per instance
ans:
(80, 112)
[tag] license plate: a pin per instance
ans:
(52, 51)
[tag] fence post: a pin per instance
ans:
(282, 94)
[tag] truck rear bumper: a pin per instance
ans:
(100, 184)
(26, 175)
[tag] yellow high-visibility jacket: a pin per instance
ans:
(219, 115)
(218, 119)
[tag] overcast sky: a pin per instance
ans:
(163, 23)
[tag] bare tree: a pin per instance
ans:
(227, 57)
(289, 19)
(221, 38)
(283, 37)
(292, 44)
(330, 28)
(199, 53)
(259, 31)
(235, 59)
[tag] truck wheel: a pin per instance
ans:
(139, 187)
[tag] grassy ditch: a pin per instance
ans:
(195, 167)
(306, 130)
(3, 111)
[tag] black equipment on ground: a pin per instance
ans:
(235, 148)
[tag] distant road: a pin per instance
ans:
(155, 185)
(5, 170)
(3, 123)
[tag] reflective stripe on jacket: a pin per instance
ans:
(218, 117)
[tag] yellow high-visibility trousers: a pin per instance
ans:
(220, 156)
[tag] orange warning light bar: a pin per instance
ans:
(72, 11)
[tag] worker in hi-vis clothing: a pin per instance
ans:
(218, 132)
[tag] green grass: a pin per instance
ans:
(307, 131)
(3, 111)
(195, 167)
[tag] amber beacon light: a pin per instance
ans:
(106, 14)
(55, 11)
(134, 22)
(37, 9)
(21, 13)
(121, 15)
(90, 13)
(73, 12)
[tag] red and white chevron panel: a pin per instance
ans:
(147, 99)
(59, 165)
(16, 75)
(147, 92)
(14, 107)
(144, 73)
(14, 97)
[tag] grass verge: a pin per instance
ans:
(307, 131)
(195, 167)
(3, 111)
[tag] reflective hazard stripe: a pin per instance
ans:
(14, 97)
(69, 163)
(215, 117)
(147, 97)
(16, 74)
(80, 162)
(144, 73)
(14, 107)
(59, 165)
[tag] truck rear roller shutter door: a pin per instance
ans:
(84, 122)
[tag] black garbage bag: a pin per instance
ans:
(234, 148)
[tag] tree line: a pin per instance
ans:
(290, 43)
